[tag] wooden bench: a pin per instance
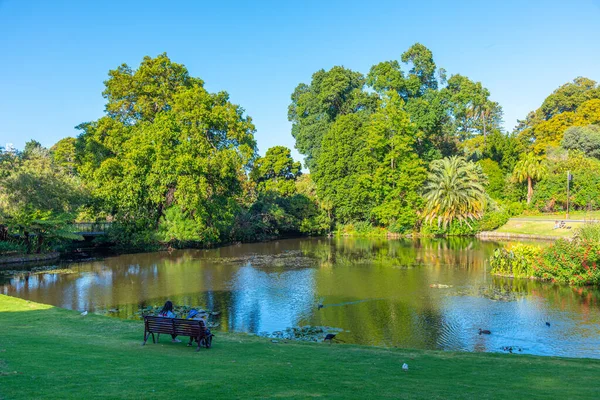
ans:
(195, 329)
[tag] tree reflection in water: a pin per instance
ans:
(379, 291)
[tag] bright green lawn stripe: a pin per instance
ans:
(540, 228)
(59, 354)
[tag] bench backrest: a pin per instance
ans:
(175, 326)
(189, 327)
(158, 324)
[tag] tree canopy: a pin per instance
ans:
(171, 162)
(166, 141)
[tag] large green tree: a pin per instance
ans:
(473, 113)
(316, 106)
(583, 138)
(39, 199)
(277, 171)
(167, 142)
(369, 169)
(575, 103)
(445, 112)
(455, 190)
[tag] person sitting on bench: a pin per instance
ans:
(556, 225)
(199, 316)
(167, 312)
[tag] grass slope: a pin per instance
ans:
(538, 228)
(543, 224)
(48, 352)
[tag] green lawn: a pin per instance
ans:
(48, 352)
(543, 224)
(540, 228)
(578, 215)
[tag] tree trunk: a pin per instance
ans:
(40, 241)
(27, 243)
(529, 189)
(484, 130)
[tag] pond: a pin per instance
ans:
(422, 293)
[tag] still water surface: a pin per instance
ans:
(378, 291)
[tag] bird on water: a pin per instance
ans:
(330, 337)
(484, 332)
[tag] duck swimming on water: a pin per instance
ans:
(484, 332)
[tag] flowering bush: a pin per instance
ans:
(575, 263)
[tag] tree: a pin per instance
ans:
(495, 176)
(584, 188)
(38, 198)
(398, 172)
(444, 117)
(345, 172)
(569, 97)
(583, 138)
(471, 109)
(455, 190)
(165, 142)
(64, 154)
(422, 74)
(33, 148)
(529, 168)
(139, 95)
(316, 107)
(574, 104)
(277, 171)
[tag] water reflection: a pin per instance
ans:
(432, 294)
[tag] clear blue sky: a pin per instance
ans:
(54, 55)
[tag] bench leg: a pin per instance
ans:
(198, 340)
(154, 341)
(145, 338)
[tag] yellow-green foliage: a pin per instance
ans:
(516, 260)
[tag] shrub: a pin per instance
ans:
(8, 248)
(519, 260)
(575, 263)
(514, 208)
(550, 193)
(176, 227)
(496, 178)
(493, 220)
(572, 262)
(131, 236)
(588, 233)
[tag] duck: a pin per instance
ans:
(330, 337)
(484, 332)
(547, 323)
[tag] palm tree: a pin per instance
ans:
(529, 168)
(454, 190)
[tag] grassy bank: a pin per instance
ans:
(536, 228)
(48, 352)
(543, 224)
